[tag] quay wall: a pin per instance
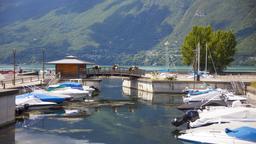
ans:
(167, 86)
(7, 106)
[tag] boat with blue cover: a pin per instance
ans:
(72, 85)
(43, 97)
(222, 133)
(31, 102)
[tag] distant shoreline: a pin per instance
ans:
(232, 69)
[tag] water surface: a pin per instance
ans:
(145, 121)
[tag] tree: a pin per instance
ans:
(201, 35)
(221, 47)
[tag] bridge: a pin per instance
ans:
(115, 71)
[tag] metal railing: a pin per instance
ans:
(17, 81)
(115, 71)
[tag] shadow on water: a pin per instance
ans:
(7, 134)
(114, 118)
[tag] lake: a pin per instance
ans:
(146, 121)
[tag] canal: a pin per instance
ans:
(145, 120)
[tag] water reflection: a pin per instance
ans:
(7, 134)
(114, 119)
(153, 98)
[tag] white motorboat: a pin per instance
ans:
(203, 97)
(42, 91)
(217, 94)
(75, 93)
(33, 102)
(238, 112)
(222, 133)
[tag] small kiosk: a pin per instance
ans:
(70, 67)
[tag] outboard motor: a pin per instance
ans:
(191, 115)
(20, 109)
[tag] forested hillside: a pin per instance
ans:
(118, 31)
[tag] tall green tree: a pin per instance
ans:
(222, 49)
(220, 45)
(199, 35)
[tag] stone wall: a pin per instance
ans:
(167, 86)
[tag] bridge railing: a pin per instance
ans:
(120, 71)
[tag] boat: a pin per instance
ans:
(202, 104)
(220, 114)
(217, 94)
(214, 95)
(191, 92)
(72, 85)
(226, 133)
(70, 91)
(31, 102)
(238, 112)
(42, 91)
(73, 89)
(43, 97)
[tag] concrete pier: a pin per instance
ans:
(7, 106)
(171, 86)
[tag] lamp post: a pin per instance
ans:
(43, 61)
(167, 61)
(14, 64)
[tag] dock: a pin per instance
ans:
(159, 85)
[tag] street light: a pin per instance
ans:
(166, 44)
(43, 52)
(14, 64)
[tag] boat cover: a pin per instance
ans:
(198, 92)
(43, 97)
(73, 85)
(243, 133)
(48, 98)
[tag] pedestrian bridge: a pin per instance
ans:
(115, 71)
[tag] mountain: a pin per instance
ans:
(118, 31)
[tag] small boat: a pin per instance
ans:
(237, 112)
(43, 97)
(202, 104)
(191, 92)
(73, 89)
(72, 85)
(213, 95)
(217, 94)
(226, 133)
(219, 114)
(42, 91)
(31, 102)
(71, 92)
